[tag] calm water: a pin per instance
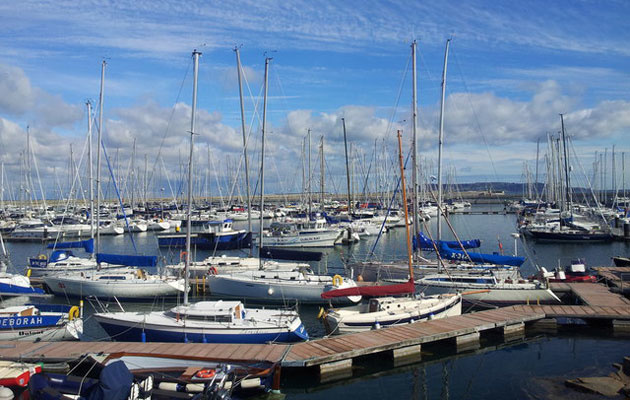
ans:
(535, 368)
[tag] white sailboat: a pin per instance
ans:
(277, 286)
(88, 279)
(216, 321)
(387, 311)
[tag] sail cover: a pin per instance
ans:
(372, 291)
(87, 245)
(288, 254)
(131, 261)
(427, 244)
(450, 254)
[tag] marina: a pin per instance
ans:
(268, 201)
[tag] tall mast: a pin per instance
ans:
(345, 144)
(404, 194)
(536, 176)
(98, 159)
(623, 176)
(414, 148)
(91, 183)
(566, 168)
(195, 55)
(240, 93)
(322, 174)
(2, 186)
(146, 180)
(614, 176)
(308, 134)
(262, 164)
(440, 144)
(133, 174)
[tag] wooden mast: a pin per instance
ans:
(404, 194)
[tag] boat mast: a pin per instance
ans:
(195, 55)
(308, 134)
(91, 189)
(566, 169)
(262, 164)
(345, 144)
(321, 172)
(98, 160)
(240, 93)
(536, 176)
(623, 177)
(440, 144)
(414, 149)
(404, 194)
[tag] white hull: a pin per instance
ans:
(136, 288)
(304, 239)
(400, 311)
(498, 294)
(276, 287)
(72, 330)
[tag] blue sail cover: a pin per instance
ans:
(289, 254)
(87, 245)
(450, 254)
(427, 244)
(131, 261)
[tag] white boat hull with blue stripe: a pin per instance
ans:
(43, 322)
(390, 311)
(205, 322)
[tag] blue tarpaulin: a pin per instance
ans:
(87, 245)
(450, 254)
(132, 261)
(427, 244)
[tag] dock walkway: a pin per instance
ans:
(592, 294)
(338, 352)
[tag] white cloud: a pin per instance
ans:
(16, 93)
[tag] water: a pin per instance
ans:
(535, 368)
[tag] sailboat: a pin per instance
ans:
(33, 322)
(567, 225)
(207, 321)
(14, 284)
(85, 278)
(489, 286)
(387, 311)
(276, 286)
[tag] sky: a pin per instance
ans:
(513, 67)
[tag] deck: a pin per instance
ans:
(592, 294)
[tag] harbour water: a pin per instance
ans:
(534, 367)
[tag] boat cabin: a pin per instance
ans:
(217, 311)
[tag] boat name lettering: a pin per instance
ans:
(20, 321)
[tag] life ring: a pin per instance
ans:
(206, 373)
(73, 313)
(42, 257)
(182, 256)
(337, 280)
(213, 271)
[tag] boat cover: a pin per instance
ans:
(131, 261)
(427, 244)
(498, 259)
(87, 245)
(288, 254)
(372, 291)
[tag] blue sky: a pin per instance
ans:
(513, 67)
